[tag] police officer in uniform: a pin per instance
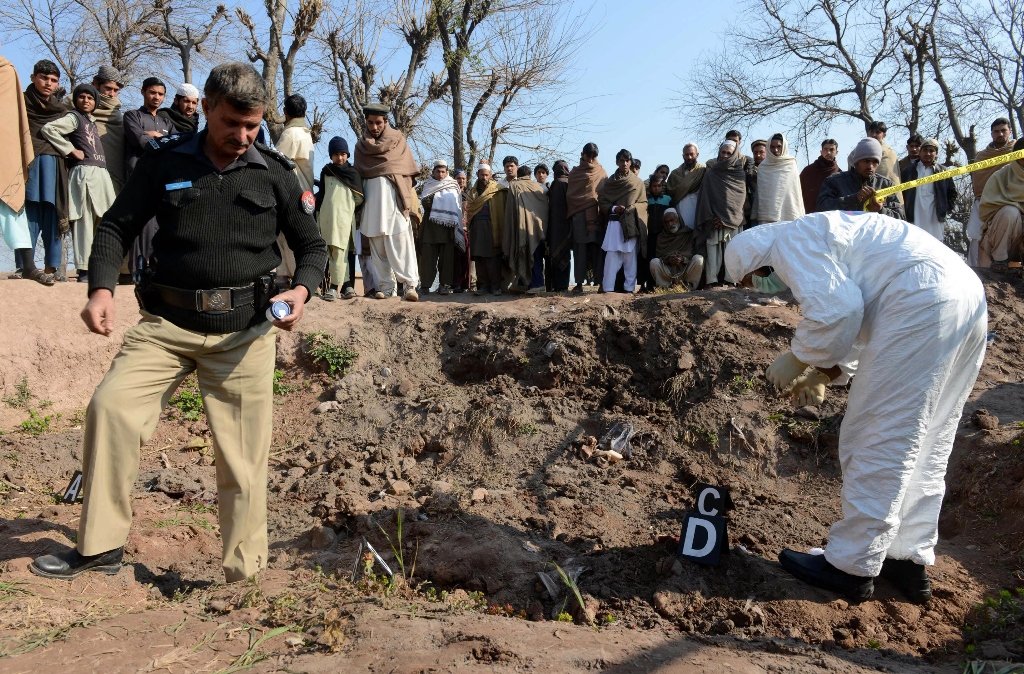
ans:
(220, 201)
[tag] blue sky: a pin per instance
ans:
(635, 70)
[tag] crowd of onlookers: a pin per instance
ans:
(515, 229)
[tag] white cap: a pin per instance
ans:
(187, 90)
(484, 165)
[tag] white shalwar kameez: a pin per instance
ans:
(925, 215)
(619, 254)
(392, 249)
(894, 306)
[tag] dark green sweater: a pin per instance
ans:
(217, 228)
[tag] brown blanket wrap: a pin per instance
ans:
(625, 189)
(981, 176)
(683, 181)
(15, 138)
(584, 182)
(389, 156)
(526, 214)
(723, 194)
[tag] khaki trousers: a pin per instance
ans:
(1002, 237)
(235, 372)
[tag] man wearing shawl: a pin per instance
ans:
(522, 242)
(684, 185)
(442, 217)
(184, 110)
(849, 190)
(485, 213)
(889, 164)
(144, 124)
(390, 203)
(674, 262)
(14, 169)
(337, 208)
(623, 201)
(778, 184)
(1002, 143)
(46, 190)
(91, 192)
(815, 173)
(559, 230)
(581, 207)
(1002, 228)
(720, 209)
(928, 205)
(110, 122)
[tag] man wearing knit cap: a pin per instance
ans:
(184, 109)
(338, 204)
(110, 121)
(90, 190)
(759, 148)
(847, 191)
(928, 205)
(388, 169)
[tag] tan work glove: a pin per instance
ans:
(784, 370)
(809, 389)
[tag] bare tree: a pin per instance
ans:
(121, 30)
(351, 40)
(986, 40)
(521, 87)
(54, 24)
(271, 51)
(808, 62)
(187, 30)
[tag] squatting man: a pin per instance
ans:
(887, 302)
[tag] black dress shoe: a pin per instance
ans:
(71, 564)
(909, 578)
(815, 570)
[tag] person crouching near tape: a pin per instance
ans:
(890, 305)
(220, 200)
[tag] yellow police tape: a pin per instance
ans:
(951, 173)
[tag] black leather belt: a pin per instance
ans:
(212, 301)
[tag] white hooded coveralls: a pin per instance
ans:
(888, 302)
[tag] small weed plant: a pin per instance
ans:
(281, 388)
(1000, 616)
(22, 395)
(187, 399)
(324, 350)
(37, 424)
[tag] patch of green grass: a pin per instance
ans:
(199, 522)
(280, 388)
(997, 617)
(252, 655)
(743, 385)
(10, 589)
(980, 667)
(199, 509)
(37, 424)
(706, 434)
(187, 399)
(22, 395)
(529, 428)
(336, 358)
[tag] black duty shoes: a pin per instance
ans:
(815, 570)
(909, 578)
(70, 564)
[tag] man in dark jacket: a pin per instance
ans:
(849, 190)
(928, 205)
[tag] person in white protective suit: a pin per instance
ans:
(887, 302)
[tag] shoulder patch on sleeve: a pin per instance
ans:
(274, 154)
(308, 202)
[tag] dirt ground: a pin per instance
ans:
(459, 444)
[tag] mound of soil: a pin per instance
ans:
(461, 446)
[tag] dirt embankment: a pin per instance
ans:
(458, 445)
